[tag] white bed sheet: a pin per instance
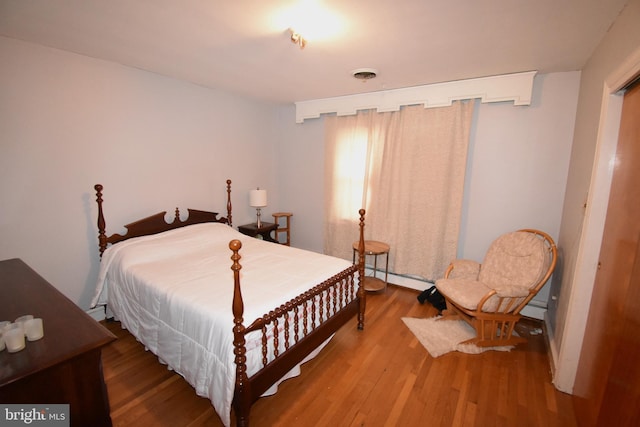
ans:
(173, 291)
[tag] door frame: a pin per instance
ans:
(566, 361)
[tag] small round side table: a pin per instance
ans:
(374, 248)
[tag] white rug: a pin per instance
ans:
(442, 336)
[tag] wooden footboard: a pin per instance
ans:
(293, 330)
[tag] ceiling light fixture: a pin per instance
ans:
(297, 39)
(364, 74)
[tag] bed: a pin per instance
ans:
(177, 288)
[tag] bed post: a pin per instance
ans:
(102, 237)
(229, 202)
(242, 395)
(362, 298)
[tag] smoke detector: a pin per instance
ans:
(364, 74)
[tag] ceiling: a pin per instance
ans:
(244, 47)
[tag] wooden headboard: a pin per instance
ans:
(156, 223)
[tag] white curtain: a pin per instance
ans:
(406, 168)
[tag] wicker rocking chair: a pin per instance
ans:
(490, 296)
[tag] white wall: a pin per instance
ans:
(516, 173)
(301, 178)
(518, 164)
(68, 122)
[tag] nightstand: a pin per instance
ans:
(264, 231)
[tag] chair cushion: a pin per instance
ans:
(464, 269)
(512, 292)
(466, 293)
(514, 259)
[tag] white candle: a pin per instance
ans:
(3, 325)
(33, 329)
(14, 338)
(21, 321)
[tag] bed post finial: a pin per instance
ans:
(229, 202)
(361, 292)
(102, 237)
(242, 398)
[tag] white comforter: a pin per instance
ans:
(173, 291)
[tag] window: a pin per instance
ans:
(406, 168)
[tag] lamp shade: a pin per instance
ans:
(258, 198)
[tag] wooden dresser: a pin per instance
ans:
(64, 366)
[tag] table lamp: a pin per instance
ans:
(258, 200)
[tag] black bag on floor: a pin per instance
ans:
(434, 297)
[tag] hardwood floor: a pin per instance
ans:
(381, 376)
